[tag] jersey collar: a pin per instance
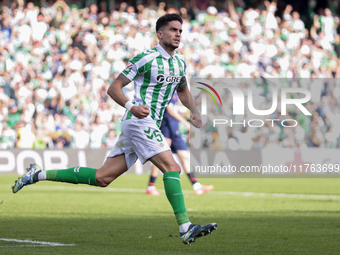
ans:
(162, 51)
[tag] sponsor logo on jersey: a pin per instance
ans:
(170, 79)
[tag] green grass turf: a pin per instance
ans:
(107, 221)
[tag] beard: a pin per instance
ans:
(170, 45)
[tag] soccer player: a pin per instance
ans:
(157, 74)
(170, 130)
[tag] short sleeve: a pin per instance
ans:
(131, 71)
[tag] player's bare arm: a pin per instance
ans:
(187, 100)
(116, 93)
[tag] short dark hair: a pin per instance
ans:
(165, 19)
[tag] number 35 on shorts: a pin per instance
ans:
(155, 134)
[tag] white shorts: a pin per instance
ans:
(141, 138)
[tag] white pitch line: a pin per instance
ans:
(27, 245)
(35, 242)
(285, 195)
(228, 193)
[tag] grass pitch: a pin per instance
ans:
(254, 216)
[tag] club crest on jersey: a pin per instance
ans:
(129, 66)
(161, 67)
(170, 79)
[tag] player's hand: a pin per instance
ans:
(195, 119)
(140, 111)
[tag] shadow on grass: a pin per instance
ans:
(238, 233)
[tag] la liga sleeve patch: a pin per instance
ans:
(129, 66)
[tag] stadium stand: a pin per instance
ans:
(57, 60)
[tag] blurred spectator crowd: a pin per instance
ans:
(57, 61)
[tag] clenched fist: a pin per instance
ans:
(195, 119)
(140, 111)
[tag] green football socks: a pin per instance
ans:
(75, 175)
(173, 191)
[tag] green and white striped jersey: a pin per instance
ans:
(156, 75)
